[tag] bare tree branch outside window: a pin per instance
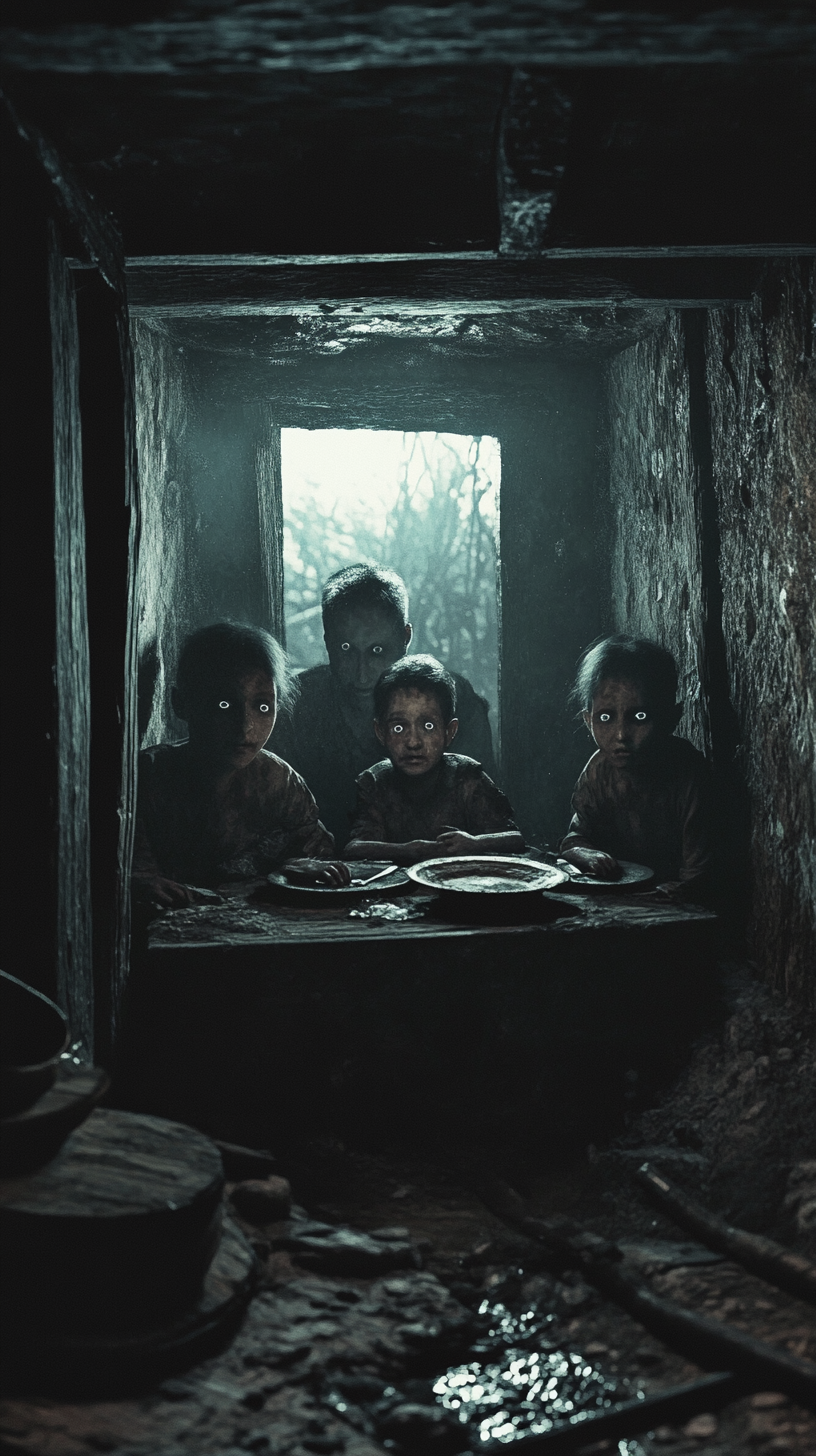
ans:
(425, 504)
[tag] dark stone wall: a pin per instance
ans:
(200, 555)
(656, 568)
(712, 440)
(762, 390)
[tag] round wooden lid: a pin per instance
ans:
(115, 1164)
(117, 1232)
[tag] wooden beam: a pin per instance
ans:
(324, 35)
(434, 285)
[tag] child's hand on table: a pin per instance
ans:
(318, 872)
(456, 841)
(594, 862)
(416, 850)
(167, 894)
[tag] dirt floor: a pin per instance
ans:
(738, 1131)
(339, 1354)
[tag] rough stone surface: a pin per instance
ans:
(762, 389)
(737, 1131)
(331, 1250)
(714, 554)
(262, 1200)
(657, 543)
(264, 1392)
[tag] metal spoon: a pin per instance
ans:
(389, 870)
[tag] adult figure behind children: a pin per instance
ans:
(329, 734)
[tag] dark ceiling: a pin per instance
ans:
(409, 160)
(545, 132)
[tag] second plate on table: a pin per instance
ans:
(394, 883)
(635, 877)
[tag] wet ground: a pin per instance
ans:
(471, 1319)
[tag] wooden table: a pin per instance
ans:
(319, 1014)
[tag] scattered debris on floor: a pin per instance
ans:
(377, 1333)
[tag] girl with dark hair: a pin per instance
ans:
(219, 807)
(645, 795)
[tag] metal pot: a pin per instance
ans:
(34, 1033)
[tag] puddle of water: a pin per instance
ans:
(520, 1383)
(516, 1380)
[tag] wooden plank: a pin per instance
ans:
(239, 924)
(557, 255)
(663, 1407)
(110, 510)
(437, 285)
(326, 36)
(269, 483)
(72, 671)
(763, 1256)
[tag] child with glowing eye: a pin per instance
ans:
(219, 807)
(422, 801)
(645, 795)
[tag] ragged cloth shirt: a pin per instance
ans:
(265, 816)
(317, 739)
(395, 808)
(660, 816)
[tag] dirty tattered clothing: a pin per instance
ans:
(317, 739)
(660, 816)
(189, 834)
(396, 808)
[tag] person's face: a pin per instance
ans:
(361, 644)
(623, 721)
(230, 720)
(414, 733)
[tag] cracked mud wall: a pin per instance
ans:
(712, 453)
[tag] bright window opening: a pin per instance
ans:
(425, 504)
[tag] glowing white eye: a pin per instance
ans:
(641, 717)
(377, 649)
(264, 707)
(604, 717)
(430, 726)
(223, 703)
(344, 646)
(396, 727)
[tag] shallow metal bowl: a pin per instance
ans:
(491, 875)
